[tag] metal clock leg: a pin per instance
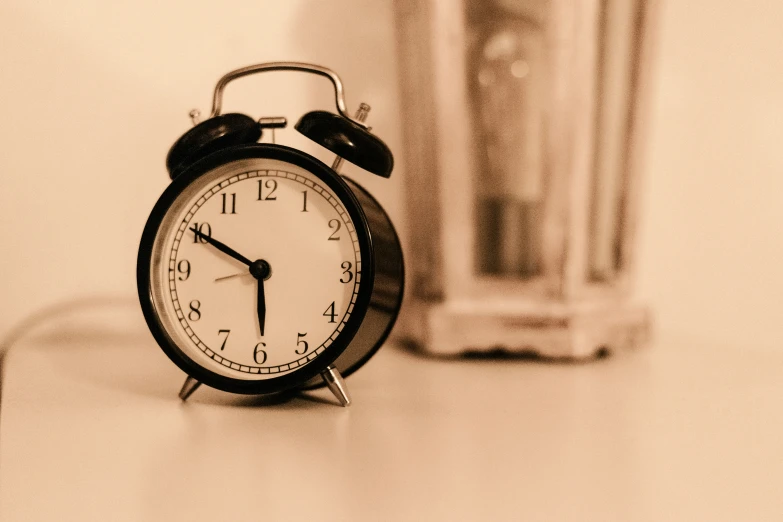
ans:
(336, 384)
(188, 388)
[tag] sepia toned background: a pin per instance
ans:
(94, 94)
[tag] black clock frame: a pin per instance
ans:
(300, 376)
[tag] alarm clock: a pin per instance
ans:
(261, 269)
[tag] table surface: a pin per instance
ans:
(92, 429)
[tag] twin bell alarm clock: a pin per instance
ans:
(262, 269)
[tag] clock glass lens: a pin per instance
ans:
(255, 269)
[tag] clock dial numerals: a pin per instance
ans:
(347, 274)
(301, 344)
(204, 229)
(330, 313)
(183, 267)
(219, 321)
(225, 339)
(266, 189)
(195, 310)
(229, 203)
(335, 225)
(259, 355)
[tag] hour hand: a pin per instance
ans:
(220, 246)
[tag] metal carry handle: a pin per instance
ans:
(217, 98)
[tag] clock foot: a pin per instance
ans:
(336, 385)
(188, 388)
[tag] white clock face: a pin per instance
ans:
(274, 214)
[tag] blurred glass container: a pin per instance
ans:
(504, 60)
(524, 123)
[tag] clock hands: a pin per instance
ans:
(221, 246)
(261, 307)
(259, 269)
(230, 276)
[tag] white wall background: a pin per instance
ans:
(93, 93)
(712, 231)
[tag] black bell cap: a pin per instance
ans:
(347, 140)
(209, 136)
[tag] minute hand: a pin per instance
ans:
(221, 246)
